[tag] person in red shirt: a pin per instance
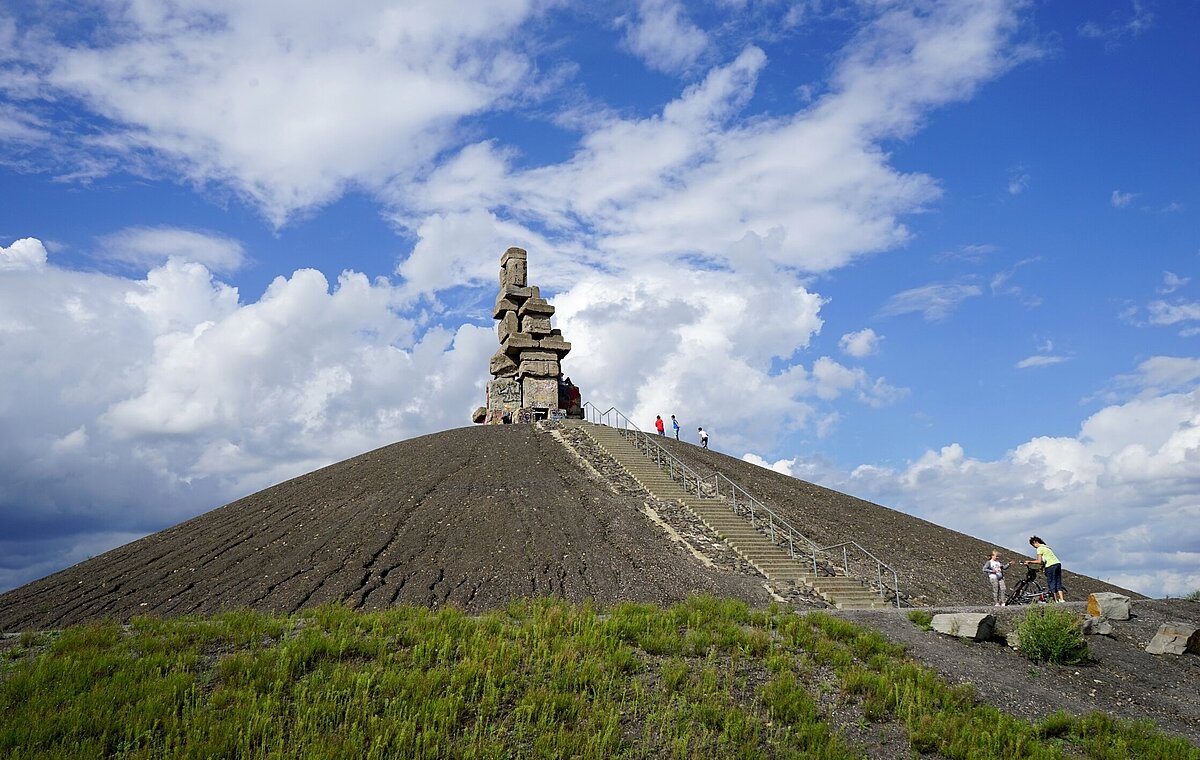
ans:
(658, 424)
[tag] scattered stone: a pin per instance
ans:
(1108, 605)
(977, 626)
(1096, 625)
(1174, 637)
(479, 415)
(1013, 639)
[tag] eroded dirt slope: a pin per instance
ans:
(473, 517)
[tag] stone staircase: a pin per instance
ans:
(841, 591)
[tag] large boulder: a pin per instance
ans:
(1174, 637)
(978, 626)
(1107, 604)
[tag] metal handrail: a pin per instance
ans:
(762, 517)
(647, 445)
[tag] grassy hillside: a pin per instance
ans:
(705, 678)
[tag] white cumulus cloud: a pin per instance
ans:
(26, 253)
(129, 403)
(861, 343)
(1116, 500)
(662, 36)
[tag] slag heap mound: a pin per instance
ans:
(527, 381)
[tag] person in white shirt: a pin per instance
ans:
(995, 574)
(703, 438)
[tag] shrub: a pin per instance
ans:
(1194, 596)
(1052, 634)
(922, 619)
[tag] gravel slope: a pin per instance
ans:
(473, 517)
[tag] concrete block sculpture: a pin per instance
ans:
(527, 382)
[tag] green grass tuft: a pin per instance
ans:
(922, 619)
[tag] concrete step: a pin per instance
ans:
(754, 545)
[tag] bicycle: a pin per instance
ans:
(1028, 590)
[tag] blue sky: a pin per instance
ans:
(939, 255)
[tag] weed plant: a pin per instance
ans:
(705, 678)
(1052, 634)
(922, 619)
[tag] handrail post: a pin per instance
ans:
(845, 560)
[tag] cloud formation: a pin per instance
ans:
(861, 343)
(168, 382)
(289, 105)
(662, 36)
(1122, 200)
(146, 247)
(1116, 500)
(934, 301)
(1040, 360)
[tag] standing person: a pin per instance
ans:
(703, 438)
(1051, 566)
(675, 426)
(995, 574)
(658, 424)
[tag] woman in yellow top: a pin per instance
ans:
(1050, 565)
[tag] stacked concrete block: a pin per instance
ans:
(526, 370)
